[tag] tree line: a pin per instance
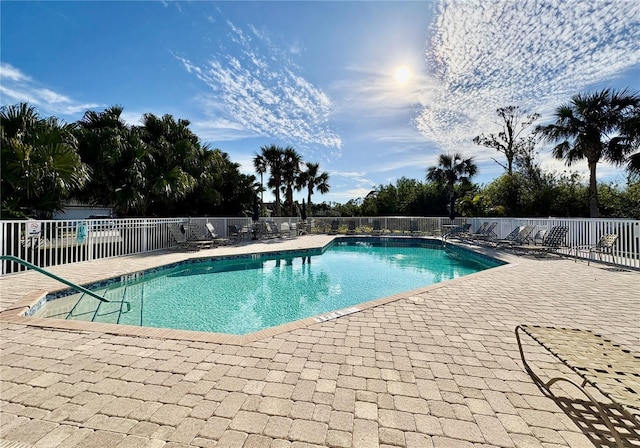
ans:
(160, 168)
(595, 127)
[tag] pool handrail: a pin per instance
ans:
(53, 276)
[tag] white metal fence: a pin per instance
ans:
(56, 242)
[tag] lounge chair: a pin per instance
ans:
(335, 224)
(183, 242)
(301, 228)
(487, 234)
(601, 363)
(480, 230)
(538, 238)
(213, 236)
(351, 227)
(551, 243)
(458, 232)
(212, 231)
(377, 229)
(603, 246)
(233, 232)
(272, 229)
(414, 228)
(288, 229)
(518, 236)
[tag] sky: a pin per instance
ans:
(371, 90)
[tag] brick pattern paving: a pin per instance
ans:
(438, 368)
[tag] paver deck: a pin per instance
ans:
(436, 367)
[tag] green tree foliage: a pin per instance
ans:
(40, 165)
(290, 174)
(119, 158)
(453, 169)
(311, 178)
(272, 159)
(596, 126)
(285, 175)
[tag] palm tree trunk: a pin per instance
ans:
(277, 199)
(452, 203)
(593, 191)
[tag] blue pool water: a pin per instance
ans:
(243, 295)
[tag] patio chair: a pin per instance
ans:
(377, 229)
(551, 243)
(212, 231)
(335, 224)
(217, 239)
(603, 246)
(183, 242)
(351, 227)
(518, 236)
(538, 238)
(600, 363)
(301, 228)
(480, 230)
(234, 232)
(487, 233)
(285, 229)
(461, 231)
(414, 228)
(273, 231)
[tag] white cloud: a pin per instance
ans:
(536, 54)
(10, 73)
(261, 88)
(17, 87)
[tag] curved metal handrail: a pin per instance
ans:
(53, 276)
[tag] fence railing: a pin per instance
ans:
(57, 242)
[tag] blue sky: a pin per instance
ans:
(323, 76)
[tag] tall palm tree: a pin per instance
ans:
(273, 159)
(290, 172)
(595, 127)
(451, 170)
(40, 164)
(260, 164)
(312, 179)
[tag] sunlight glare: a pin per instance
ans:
(402, 74)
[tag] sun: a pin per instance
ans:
(402, 74)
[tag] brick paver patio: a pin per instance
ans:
(438, 367)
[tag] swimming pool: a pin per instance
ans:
(240, 295)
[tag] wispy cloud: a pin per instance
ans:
(259, 86)
(17, 87)
(357, 181)
(536, 54)
(372, 92)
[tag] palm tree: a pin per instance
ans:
(311, 179)
(452, 169)
(595, 127)
(290, 172)
(273, 158)
(40, 163)
(260, 164)
(116, 151)
(175, 152)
